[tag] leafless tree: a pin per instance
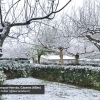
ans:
(25, 12)
(76, 29)
(87, 21)
(53, 37)
(77, 56)
(15, 49)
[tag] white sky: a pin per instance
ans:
(77, 3)
(74, 4)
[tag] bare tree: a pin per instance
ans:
(87, 21)
(53, 38)
(77, 55)
(15, 49)
(24, 12)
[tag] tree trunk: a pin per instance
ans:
(61, 55)
(96, 41)
(39, 59)
(98, 46)
(4, 31)
(77, 59)
(1, 43)
(33, 59)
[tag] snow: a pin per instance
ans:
(67, 67)
(53, 91)
(2, 76)
(55, 57)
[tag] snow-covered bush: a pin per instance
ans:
(82, 75)
(2, 77)
(16, 70)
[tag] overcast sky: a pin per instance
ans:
(73, 2)
(68, 8)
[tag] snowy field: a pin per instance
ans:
(53, 91)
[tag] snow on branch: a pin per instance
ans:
(49, 14)
(92, 39)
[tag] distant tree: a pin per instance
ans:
(79, 49)
(39, 51)
(77, 56)
(86, 21)
(20, 50)
(54, 38)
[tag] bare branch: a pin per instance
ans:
(11, 8)
(92, 39)
(63, 7)
(70, 53)
(47, 16)
(29, 21)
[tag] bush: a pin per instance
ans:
(2, 78)
(80, 75)
(16, 70)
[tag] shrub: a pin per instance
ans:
(2, 78)
(80, 75)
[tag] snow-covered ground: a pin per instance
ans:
(53, 91)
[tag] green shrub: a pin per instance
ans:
(1, 97)
(80, 75)
(2, 78)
